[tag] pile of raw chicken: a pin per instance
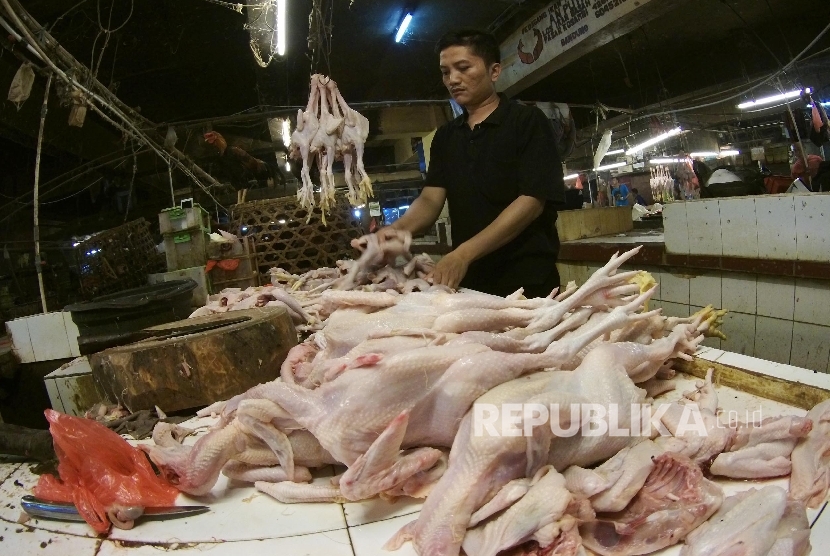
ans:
(387, 384)
(329, 129)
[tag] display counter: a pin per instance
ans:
(245, 521)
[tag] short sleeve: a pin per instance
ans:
(437, 170)
(540, 169)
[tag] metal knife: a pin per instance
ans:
(36, 507)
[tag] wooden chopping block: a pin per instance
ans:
(195, 362)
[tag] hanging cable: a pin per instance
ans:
(36, 230)
(128, 126)
(744, 92)
(130, 193)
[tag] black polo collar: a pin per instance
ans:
(495, 118)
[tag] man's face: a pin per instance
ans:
(465, 75)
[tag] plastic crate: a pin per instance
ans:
(186, 249)
(174, 220)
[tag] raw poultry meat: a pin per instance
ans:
(329, 128)
(810, 479)
(391, 378)
(762, 450)
(792, 536)
(746, 525)
(540, 515)
(350, 146)
(308, 123)
(612, 485)
(674, 501)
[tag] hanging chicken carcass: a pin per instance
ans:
(330, 129)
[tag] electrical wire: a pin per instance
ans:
(744, 92)
(130, 128)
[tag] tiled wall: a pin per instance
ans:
(782, 227)
(786, 320)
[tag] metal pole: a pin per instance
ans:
(172, 192)
(38, 267)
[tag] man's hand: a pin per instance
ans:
(450, 270)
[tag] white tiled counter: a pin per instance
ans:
(244, 521)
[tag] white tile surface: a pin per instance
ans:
(49, 339)
(712, 342)
(739, 292)
(820, 532)
(812, 301)
(811, 346)
(705, 289)
(657, 274)
(812, 215)
(738, 227)
(773, 339)
(7, 469)
(740, 333)
(674, 288)
(72, 333)
(335, 543)
(778, 370)
(775, 215)
(776, 297)
(18, 331)
(376, 509)
(18, 485)
(579, 274)
(264, 518)
(709, 353)
(704, 228)
(564, 270)
(675, 228)
(368, 540)
(675, 309)
(54, 395)
(20, 540)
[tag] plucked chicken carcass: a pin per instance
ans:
(391, 379)
(329, 128)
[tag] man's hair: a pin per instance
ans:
(481, 44)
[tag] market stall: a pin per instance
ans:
(403, 299)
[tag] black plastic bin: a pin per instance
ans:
(116, 319)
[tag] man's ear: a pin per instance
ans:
(495, 72)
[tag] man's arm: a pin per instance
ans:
(423, 212)
(512, 221)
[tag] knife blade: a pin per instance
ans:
(36, 507)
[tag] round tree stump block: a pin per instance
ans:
(196, 362)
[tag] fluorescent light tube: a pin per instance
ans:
(665, 161)
(618, 151)
(610, 166)
(653, 141)
(770, 100)
(571, 177)
(705, 154)
(281, 27)
(404, 25)
(729, 153)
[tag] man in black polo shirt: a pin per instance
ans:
(498, 167)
